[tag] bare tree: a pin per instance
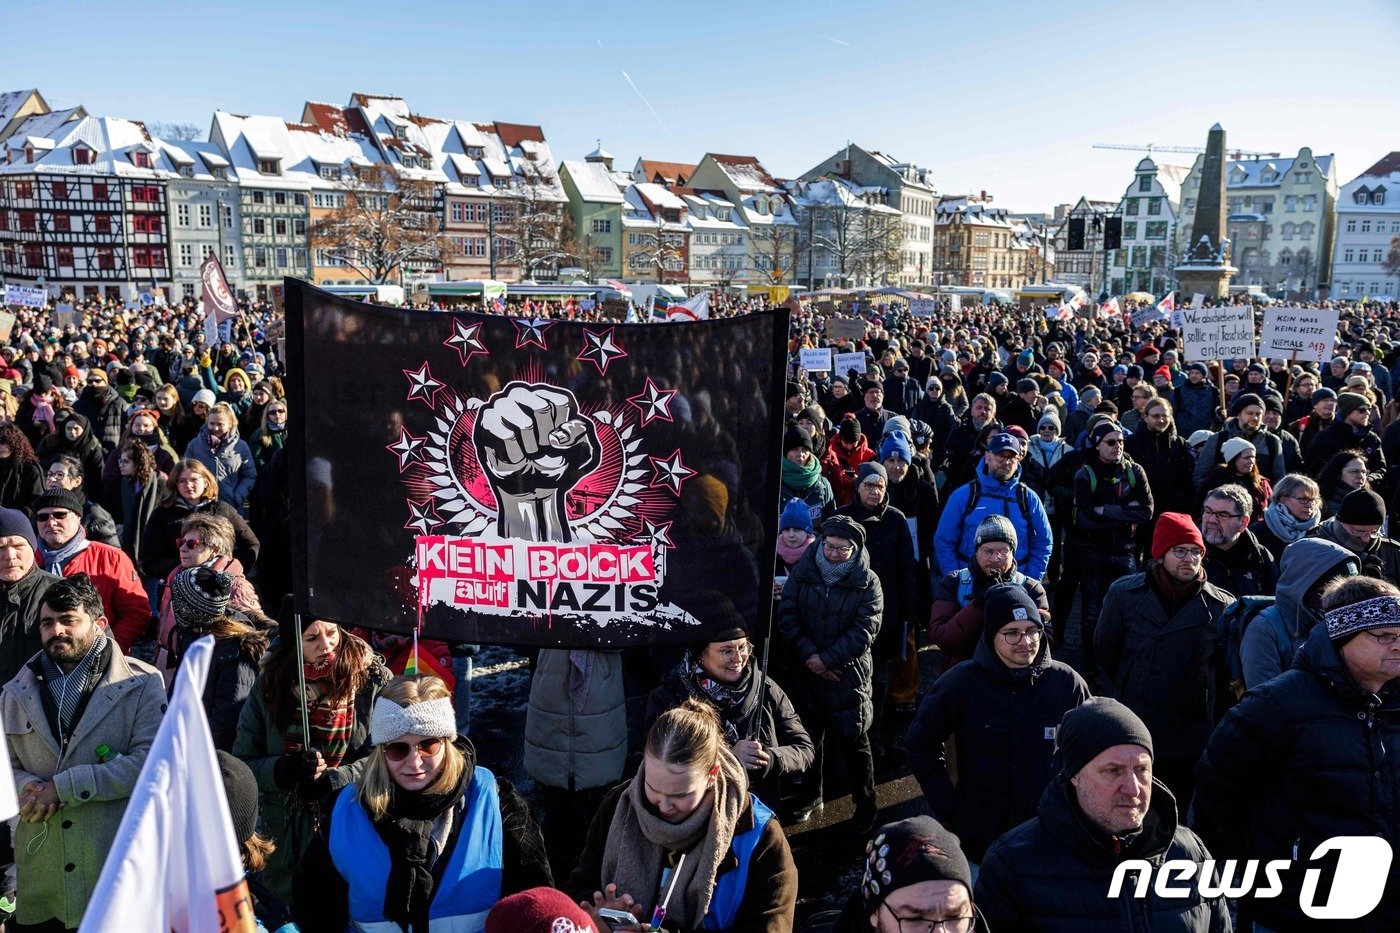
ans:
(775, 251)
(862, 242)
(1392, 258)
(384, 225)
(537, 233)
(591, 259)
(659, 252)
(187, 132)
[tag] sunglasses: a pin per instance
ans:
(51, 516)
(398, 751)
(190, 544)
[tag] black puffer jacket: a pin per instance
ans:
(1053, 873)
(1168, 670)
(1122, 491)
(1003, 721)
(838, 623)
(1166, 460)
(775, 722)
(1301, 758)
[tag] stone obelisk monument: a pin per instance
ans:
(1205, 267)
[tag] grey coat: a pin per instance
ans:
(570, 746)
(58, 873)
(232, 465)
(838, 624)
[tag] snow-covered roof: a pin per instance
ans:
(11, 102)
(832, 192)
(593, 182)
(249, 140)
(975, 212)
(659, 196)
(114, 143)
(746, 172)
(600, 154)
(670, 173)
(1251, 173)
(638, 203)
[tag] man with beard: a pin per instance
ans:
(1350, 430)
(1235, 560)
(996, 489)
(963, 443)
(90, 715)
(1247, 423)
(103, 408)
(1160, 649)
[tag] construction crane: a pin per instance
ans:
(1234, 154)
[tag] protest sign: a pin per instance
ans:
(817, 361)
(24, 297)
(851, 328)
(1224, 333)
(63, 316)
(7, 326)
(1310, 333)
(845, 362)
(923, 307)
(1198, 300)
(536, 488)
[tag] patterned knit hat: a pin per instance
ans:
(1376, 612)
(200, 595)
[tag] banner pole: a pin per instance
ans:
(301, 683)
(757, 727)
(1288, 383)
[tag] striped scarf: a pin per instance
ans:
(67, 690)
(332, 725)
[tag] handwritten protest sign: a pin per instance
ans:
(923, 307)
(24, 297)
(1225, 333)
(845, 362)
(852, 328)
(64, 316)
(817, 361)
(7, 326)
(1308, 332)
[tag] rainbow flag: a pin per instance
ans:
(410, 668)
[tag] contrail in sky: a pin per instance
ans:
(837, 41)
(645, 101)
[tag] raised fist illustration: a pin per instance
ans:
(534, 446)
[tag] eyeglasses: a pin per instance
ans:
(398, 751)
(190, 544)
(734, 654)
(838, 549)
(1005, 456)
(1386, 640)
(1220, 516)
(1015, 638)
(55, 516)
(1187, 553)
(1306, 500)
(950, 925)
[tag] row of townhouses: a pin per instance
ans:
(95, 205)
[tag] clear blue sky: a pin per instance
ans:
(1002, 95)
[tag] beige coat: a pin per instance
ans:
(123, 713)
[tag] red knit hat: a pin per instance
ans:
(1173, 529)
(538, 910)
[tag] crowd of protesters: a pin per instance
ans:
(1207, 541)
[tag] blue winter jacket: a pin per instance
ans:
(953, 542)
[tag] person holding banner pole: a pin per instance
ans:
(306, 742)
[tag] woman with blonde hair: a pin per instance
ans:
(686, 826)
(425, 837)
(189, 489)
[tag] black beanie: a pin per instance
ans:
(1087, 731)
(796, 436)
(849, 430)
(794, 389)
(1243, 401)
(909, 852)
(241, 792)
(843, 526)
(1362, 507)
(15, 524)
(70, 500)
(1006, 603)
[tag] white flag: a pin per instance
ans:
(175, 864)
(696, 309)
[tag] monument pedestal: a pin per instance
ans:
(1211, 280)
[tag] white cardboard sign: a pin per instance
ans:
(1224, 333)
(1311, 333)
(817, 361)
(845, 362)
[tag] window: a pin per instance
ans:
(1290, 204)
(1130, 230)
(182, 215)
(259, 257)
(1309, 203)
(1378, 255)
(502, 214)
(206, 216)
(1351, 226)
(99, 191)
(186, 255)
(279, 227)
(27, 223)
(60, 191)
(24, 190)
(61, 223)
(457, 212)
(1154, 206)
(141, 158)
(1132, 207)
(1286, 231)
(228, 217)
(1395, 226)
(1264, 205)
(1285, 258)
(299, 199)
(147, 194)
(101, 223)
(476, 152)
(187, 290)
(64, 255)
(34, 255)
(299, 257)
(605, 255)
(1365, 226)
(1157, 230)
(299, 227)
(229, 256)
(1362, 196)
(1303, 178)
(1139, 260)
(268, 167)
(1305, 231)
(1348, 255)
(1190, 206)
(1378, 196)
(82, 155)
(259, 197)
(259, 225)
(281, 256)
(330, 172)
(602, 226)
(1145, 183)
(106, 258)
(279, 198)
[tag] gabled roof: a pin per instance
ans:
(746, 172)
(592, 181)
(670, 173)
(11, 102)
(111, 140)
(1247, 173)
(514, 134)
(1388, 165)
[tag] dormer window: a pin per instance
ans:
(269, 167)
(141, 158)
(400, 132)
(1378, 196)
(82, 155)
(187, 171)
(29, 153)
(330, 173)
(1362, 196)
(219, 173)
(476, 152)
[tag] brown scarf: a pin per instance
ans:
(639, 841)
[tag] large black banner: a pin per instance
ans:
(533, 481)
